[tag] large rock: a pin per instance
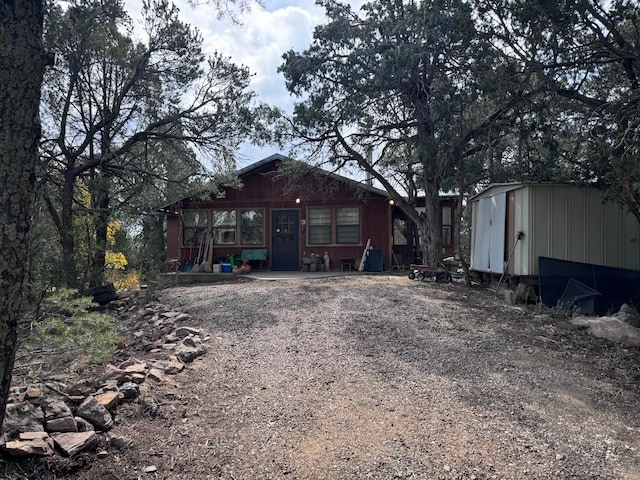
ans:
(610, 328)
(58, 417)
(31, 444)
(96, 414)
(190, 348)
(628, 315)
(73, 443)
(23, 417)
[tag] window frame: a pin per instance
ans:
(332, 226)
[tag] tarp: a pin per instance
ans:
(614, 285)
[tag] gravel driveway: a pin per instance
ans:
(384, 377)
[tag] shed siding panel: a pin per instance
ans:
(577, 225)
(594, 234)
(558, 209)
(522, 222)
(540, 244)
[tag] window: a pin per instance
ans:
(194, 224)
(347, 225)
(446, 226)
(339, 225)
(224, 227)
(400, 231)
(319, 226)
(252, 227)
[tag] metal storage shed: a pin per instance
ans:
(561, 221)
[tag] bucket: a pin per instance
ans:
(217, 268)
(226, 267)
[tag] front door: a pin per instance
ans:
(285, 241)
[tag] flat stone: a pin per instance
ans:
(31, 444)
(183, 332)
(610, 328)
(156, 374)
(73, 443)
(137, 368)
(32, 393)
(64, 424)
(108, 399)
(112, 373)
(82, 388)
(173, 367)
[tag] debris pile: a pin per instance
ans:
(52, 417)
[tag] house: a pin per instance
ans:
(514, 224)
(284, 225)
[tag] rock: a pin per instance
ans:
(138, 378)
(173, 367)
(58, 417)
(610, 328)
(182, 317)
(170, 314)
(102, 454)
(31, 444)
(32, 393)
(23, 417)
(108, 399)
(73, 443)
(65, 424)
(83, 425)
(183, 332)
(112, 373)
(190, 348)
(82, 388)
(130, 390)
(120, 442)
(156, 374)
(628, 315)
(150, 469)
(93, 412)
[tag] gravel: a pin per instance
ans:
(378, 376)
(384, 377)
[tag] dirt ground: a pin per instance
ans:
(376, 376)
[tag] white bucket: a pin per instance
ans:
(217, 268)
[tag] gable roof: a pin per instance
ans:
(277, 157)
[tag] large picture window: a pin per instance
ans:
(333, 226)
(194, 227)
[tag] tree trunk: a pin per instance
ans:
(101, 215)
(22, 64)
(66, 231)
(429, 228)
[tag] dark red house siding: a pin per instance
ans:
(263, 191)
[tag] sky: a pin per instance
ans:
(258, 43)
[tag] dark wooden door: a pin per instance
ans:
(285, 240)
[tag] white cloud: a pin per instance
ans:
(259, 43)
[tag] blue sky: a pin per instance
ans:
(265, 34)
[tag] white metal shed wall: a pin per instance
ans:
(572, 223)
(560, 221)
